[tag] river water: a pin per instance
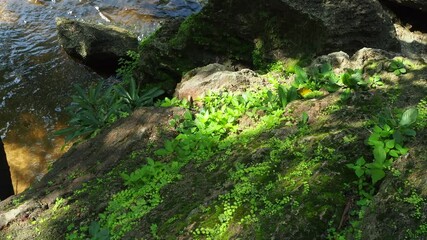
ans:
(36, 76)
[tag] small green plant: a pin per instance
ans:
(325, 77)
(132, 97)
(98, 233)
(387, 143)
(353, 79)
(92, 232)
(396, 66)
(128, 65)
(422, 114)
(90, 111)
(142, 194)
(153, 229)
(100, 106)
(304, 120)
(173, 102)
(287, 94)
(316, 79)
(416, 201)
(375, 81)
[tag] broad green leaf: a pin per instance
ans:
(300, 76)
(359, 172)
(169, 146)
(351, 166)
(360, 161)
(375, 164)
(409, 132)
(396, 72)
(150, 161)
(401, 149)
(188, 116)
(394, 65)
(376, 143)
(282, 92)
(379, 154)
(161, 152)
(386, 128)
(377, 174)
(397, 135)
(390, 144)
(409, 117)
(292, 94)
(332, 87)
(394, 153)
(378, 130)
(374, 138)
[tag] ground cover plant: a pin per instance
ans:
(278, 184)
(309, 147)
(101, 105)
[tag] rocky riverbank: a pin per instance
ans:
(269, 153)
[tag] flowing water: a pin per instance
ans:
(36, 76)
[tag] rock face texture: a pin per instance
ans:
(214, 77)
(95, 45)
(350, 25)
(256, 33)
(415, 4)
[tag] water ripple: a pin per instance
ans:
(36, 76)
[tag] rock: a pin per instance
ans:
(340, 61)
(350, 25)
(256, 33)
(96, 45)
(214, 78)
(7, 216)
(414, 4)
(6, 187)
(368, 55)
(414, 44)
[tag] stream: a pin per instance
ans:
(36, 75)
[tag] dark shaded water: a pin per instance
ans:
(36, 76)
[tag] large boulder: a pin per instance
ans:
(96, 45)
(350, 24)
(414, 4)
(256, 33)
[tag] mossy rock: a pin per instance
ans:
(256, 33)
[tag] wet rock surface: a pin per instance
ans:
(98, 46)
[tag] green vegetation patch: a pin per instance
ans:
(246, 164)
